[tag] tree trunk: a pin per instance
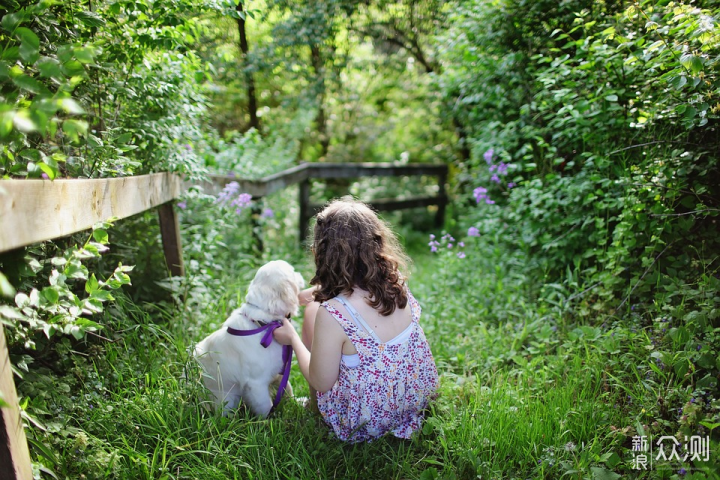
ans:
(317, 63)
(249, 80)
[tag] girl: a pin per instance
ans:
(370, 366)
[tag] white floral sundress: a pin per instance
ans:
(388, 390)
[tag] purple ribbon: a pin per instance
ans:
(265, 341)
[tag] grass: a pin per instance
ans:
(526, 392)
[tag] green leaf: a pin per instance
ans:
(6, 289)
(29, 45)
(692, 62)
(11, 53)
(100, 236)
(92, 284)
(11, 21)
(23, 122)
(48, 170)
(43, 450)
(49, 67)
(6, 123)
(51, 294)
(612, 98)
(600, 473)
(102, 296)
(73, 68)
(71, 106)
(77, 332)
(710, 426)
(28, 83)
(74, 128)
(90, 19)
(84, 55)
(678, 82)
(11, 313)
(680, 335)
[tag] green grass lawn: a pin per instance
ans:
(526, 392)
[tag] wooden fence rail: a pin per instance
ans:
(33, 211)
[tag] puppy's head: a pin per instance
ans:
(275, 289)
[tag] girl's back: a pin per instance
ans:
(385, 380)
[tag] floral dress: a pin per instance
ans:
(388, 388)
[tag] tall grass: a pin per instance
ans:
(526, 392)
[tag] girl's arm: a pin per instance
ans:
(320, 369)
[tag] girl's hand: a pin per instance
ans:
(306, 296)
(286, 334)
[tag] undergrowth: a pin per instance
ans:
(529, 389)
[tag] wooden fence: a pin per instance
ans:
(33, 211)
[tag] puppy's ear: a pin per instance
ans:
(284, 298)
(299, 281)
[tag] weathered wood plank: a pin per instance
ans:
(306, 211)
(273, 183)
(37, 210)
(442, 193)
(355, 170)
(170, 233)
(14, 454)
(284, 179)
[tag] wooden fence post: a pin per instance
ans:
(305, 212)
(255, 213)
(14, 454)
(170, 232)
(442, 200)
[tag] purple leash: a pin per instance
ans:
(265, 341)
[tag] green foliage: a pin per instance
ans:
(606, 118)
(60, 307)
(104, 90)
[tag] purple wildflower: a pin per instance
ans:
(433, 248)
(432, 237)
(182, 205)
(268, 213)
(495, 178)
(489, 202)
(502, 168)
(242, 201)
(488, 156)
(682, 471)
(230, 190)
(461, 244)
(461, 254)
(512, 185)
(449, 245)
(480, 193)
(188, 146)
(473, 232)
(44, 176)
(493, 168)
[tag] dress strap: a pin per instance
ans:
(359, 321)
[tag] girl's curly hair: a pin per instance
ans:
(354, 248)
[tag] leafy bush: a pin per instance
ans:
(107, 91)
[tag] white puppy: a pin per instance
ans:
(238, 368)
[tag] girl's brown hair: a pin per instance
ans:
(354, 248)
